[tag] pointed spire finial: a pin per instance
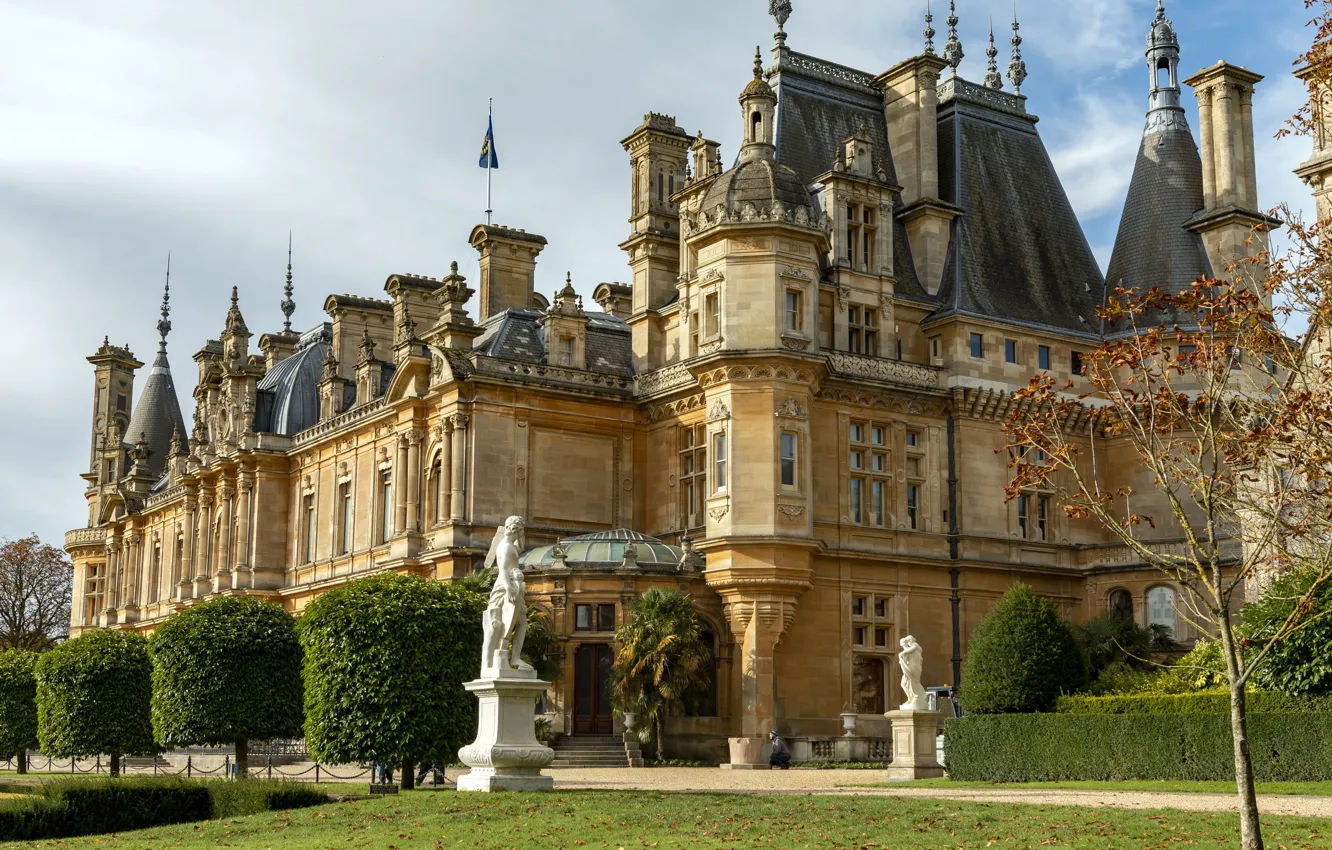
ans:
(1017, 69)
(164, 323)
(758, 63)
(992, 78)
(1160, 10)
(953, 54)
(929, 29)
(288, 306)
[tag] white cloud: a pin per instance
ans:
(1094, 148)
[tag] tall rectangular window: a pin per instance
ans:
(178, 563)
(860, 233)
(826, 321)
(862, 330)
(155, 578)
(1042, 516)
(1010, 351)
(693, 334)
(566, 350)
(92, 600)
(1023, 506)
(1076, 362)
(977, 346)
(788, 459)
(346, 521)
(712, 307)
(693, 467)
(913, 504)
(309, 528)
(386, 505)
(1043, 357)
(438, 476)
(794, 308)
(719, 461)
(868, 460)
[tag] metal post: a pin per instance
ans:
(226, 767)
(316, 773)
(270, 765)
(97, 767)
(189, 766)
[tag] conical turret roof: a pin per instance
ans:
(156, 415)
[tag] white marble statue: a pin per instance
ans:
(910, 661)
(505, 622)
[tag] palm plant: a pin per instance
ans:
(661, 663)
(1108, 640)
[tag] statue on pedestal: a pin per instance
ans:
(505, 624)
(910, 661)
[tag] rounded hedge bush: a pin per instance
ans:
(385, 661)
(94, 696)
(18, 704)
(227, 672)
(1021, 657)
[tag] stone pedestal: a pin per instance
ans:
(748, 754)
(914, 734)
(506, 755)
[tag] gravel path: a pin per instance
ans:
(715, 780)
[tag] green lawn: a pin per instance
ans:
(593, 819)
(1313, 789)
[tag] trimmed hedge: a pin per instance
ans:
(18, 704)
(71, 808)
(1201, 702)
(1060, 747)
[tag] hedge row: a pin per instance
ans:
(1200, 702)
(71, 808)
(1109, 747)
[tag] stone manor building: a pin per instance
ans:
(792, 411)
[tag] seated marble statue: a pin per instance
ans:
(504, 625)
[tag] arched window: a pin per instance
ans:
(756, 127)
(1121, 605)
(1161, 607)
(661, 186)
(868, 681)
(1163, 74)
(437, 478)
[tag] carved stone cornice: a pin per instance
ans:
(916, 375)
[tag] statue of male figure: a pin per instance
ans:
(505, 622)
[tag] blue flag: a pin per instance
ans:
(488, 157)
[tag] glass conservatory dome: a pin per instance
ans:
(606, 549)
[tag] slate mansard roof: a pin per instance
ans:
(820, 105)
(288, 395)
(1017, 253)
(518, 335)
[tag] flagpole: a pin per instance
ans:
(488, 168)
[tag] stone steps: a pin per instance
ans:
(584, 751)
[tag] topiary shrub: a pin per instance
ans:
(227, 672)
(18, 704)
(1301, 662)
(94, 696)
(1021, 657)
(385, 661)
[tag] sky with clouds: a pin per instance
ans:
(210, 128)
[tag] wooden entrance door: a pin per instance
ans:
(592, 699)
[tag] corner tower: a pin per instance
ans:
(658, 152)
(1155, 246)
(157, 414)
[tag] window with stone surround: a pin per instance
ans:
(795, 306)
(788, 463)
(1033, 516)
(94, 589)
(693, 454)
(178, 559)
(1161, 607)
(693, 334)
(860, 232)
(437, 478)
(712, 313)
(870, 476)
(719, 458)
(385, 505)
(862, 330)
(346, 520)
(566, 355)
(1043, 357)
(308, 528)
(155, 575)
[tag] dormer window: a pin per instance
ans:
(566, 350)
(860, 231)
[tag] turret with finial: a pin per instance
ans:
(953, 49)
(929, 29)
(288, 306)
(164, 323)
(992, 78)
(1017, 69)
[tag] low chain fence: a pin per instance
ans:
(262, 767)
